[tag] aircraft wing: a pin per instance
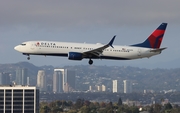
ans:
(98, 51)
(158, 50)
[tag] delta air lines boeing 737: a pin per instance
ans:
(79, 51)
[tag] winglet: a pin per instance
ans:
(111, 42)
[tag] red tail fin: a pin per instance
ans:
(155, 39)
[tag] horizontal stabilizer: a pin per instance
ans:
(158, 50)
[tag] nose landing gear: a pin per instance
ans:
(28, 57)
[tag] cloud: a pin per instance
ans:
(63, 14)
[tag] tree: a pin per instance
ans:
(175, 110)
(85, 109)
(134, 110)
(72, 111)
(168, 106)
(56, 109)
(86, 103)
(102, 104)
(102, 110)
(96, 104)
(92, 106)
(79, 103)
(70, 103)
(119, 102)
(45, 109)
(120, 109)
(157, 108)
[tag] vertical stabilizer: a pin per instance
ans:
(155, 39)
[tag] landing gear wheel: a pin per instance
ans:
(90, 62)
(28, 58)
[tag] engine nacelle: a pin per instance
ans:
(75, 56)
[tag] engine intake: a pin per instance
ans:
(75, 56)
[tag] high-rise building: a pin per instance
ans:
(127, 86)
(115, 87)
(21, 76)
(18, 99)
(67, 88)
(41, 80)
(4, 79)
(103, 88)
(28, 81)
(99, 88)
(91, 88)
(58, 81)
(68, 79)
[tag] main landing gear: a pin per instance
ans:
(90, 62)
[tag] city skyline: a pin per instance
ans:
(85, 76)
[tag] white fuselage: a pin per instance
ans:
(63, 48)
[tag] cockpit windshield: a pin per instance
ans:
(23, 44)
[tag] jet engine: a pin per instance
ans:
(75, 56)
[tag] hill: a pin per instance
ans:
(142, 78)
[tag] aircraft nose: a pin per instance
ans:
(16, 48)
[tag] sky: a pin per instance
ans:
(91, 21)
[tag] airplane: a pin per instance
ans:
(79, 51)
